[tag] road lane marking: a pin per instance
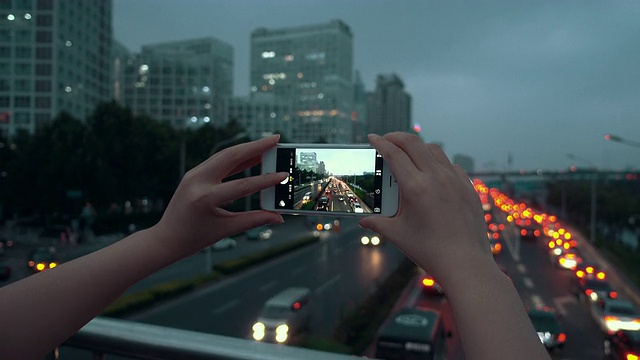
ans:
(528, 283)
(268, 285)
(522, 268)
(537, 302)
(326, 285)
(561, 301)
(226, 306)
(514, 248)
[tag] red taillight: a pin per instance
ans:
(496, 235)
(562, 337)
(523, 232)
(536, 232)
(501, 226)
(428, 282)
(487, 217)
(296, 305)
(613, 294)
(588, 292)
(498, 247)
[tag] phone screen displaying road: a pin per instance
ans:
(331, 180)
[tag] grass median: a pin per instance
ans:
(152, 296)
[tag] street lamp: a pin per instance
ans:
(594, 195)
(616, 138)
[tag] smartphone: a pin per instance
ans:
(329, 179)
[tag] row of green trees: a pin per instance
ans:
(108, 159)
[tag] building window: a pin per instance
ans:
(22, 101)
(43, 69)
(45, 4)
(23, 52)
(4, 101)
(43, 102)
(43, 53)
(22, 85)
(23, 69)
(23, 35)
(43, 86)
(43, 36)
(44, 20)
(5, 52)
(21, 118)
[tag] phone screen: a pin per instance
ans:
(332, 180)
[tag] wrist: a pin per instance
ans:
(467, 272)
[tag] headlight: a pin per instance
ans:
(281, 333)
(258, 327)
(594, 296)
(364, 240)
(375, 240)
(417, 347)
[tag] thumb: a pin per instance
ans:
(381, 225)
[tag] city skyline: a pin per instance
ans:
(549, 79)
(344, 161)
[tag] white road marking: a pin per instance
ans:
(537, 302)
(561, 301)
(268, 285)
(226, 307)
(513, 245)
(528, 283)
(324, 286)
(522, 268)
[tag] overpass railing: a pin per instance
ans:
(104, 336)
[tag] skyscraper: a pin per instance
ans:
(54, 56)
(312, 68)
(185, 83)
(389, 106)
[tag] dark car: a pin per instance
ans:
(622, 345)
(42, 259)
(546, 323)
(323, 203)
(593, 289)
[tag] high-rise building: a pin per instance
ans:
(185, 83)
(54, 56)
(262, 116)
(312, 67)
(389, 106)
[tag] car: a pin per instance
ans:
(306, 198)
(615, 314)
(5, 243)
(547, 325)
(528, 231)
(323, 203)
(259, 233)
(569, 260)
(430, 286)
(42, 259)
(371, 239)
(340, 197)
(284, 316)
(224, 244)
(594, 289)
(622, 345)
(412, 333)
(357, 208)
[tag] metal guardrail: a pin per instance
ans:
(152, 342)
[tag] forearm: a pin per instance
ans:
(62, 300)
(486, 299)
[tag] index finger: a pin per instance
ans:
(223, 163)
(399, 162)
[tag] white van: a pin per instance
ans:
(286, 314)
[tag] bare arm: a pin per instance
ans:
(43, 310)
(440, 226)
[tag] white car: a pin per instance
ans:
(357, 208)
(224, 244)
(615, 314)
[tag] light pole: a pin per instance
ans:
(594, 195)
(616, 138)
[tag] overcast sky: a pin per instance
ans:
(345, 161)
(536, 79)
